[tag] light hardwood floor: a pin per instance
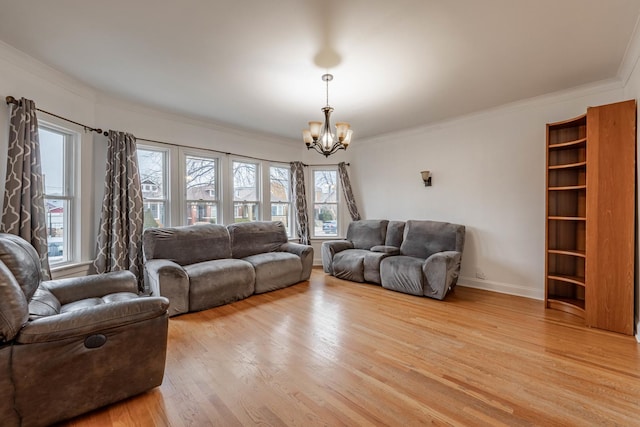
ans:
(330, 352)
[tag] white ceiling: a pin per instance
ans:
(256, 64)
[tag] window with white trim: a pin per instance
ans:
(280, 188)
(246, 191)
(201, 190)
(152, 164)
(57, 157)
(325, 202)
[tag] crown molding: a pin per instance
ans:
(631, 55)
(38, 69)
(537, 101)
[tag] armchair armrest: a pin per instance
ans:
(329, 249)
(305, 252)
(441, 271)
(168, 279)
(91, 320)
(93, 286)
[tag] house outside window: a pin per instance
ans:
(325, 202)
(57, 154)
(152, 164)
(201, 182)
(280, 188)
(246, 194)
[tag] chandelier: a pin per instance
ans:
(320, 136)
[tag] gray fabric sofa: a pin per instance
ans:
(69, 346)
(416, 257)
(203, 266)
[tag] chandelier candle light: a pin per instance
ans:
(320, 137)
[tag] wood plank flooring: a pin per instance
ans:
(333, 353)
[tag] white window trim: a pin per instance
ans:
(261, 193)
(311, 202)
(206, 154)
(267, 199)
(82, 236)
(169, 151)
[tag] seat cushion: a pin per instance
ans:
(403, 274)
(92, 302)
(275, 270)
(218, 282)
(358, 265)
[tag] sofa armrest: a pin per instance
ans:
(92, 320)
(168, 279)
(93, 286)
(329, 249)
(441, 271)
(305, 252)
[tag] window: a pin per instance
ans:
(280, 187)
(152, 164)
(58, 170)
(201, 183)
(246, 196)
(325, 203)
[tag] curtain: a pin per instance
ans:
(300, 201)
(348, 193)
(23, 211)
(119, 245)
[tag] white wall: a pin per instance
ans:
(488, 174)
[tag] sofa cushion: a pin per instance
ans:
(251, 238)
(13, 305)
(275, 270)
(403, 274)
(23, 262)
(367, 233)
(395, 231)
(187, 245)
(218, 282)
(424, 238)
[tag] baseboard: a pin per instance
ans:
(503, 288)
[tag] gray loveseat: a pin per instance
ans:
(416, 257)
(202, 266)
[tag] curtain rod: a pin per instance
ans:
(228, 153)
(12, 100)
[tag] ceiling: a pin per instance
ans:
(257, 64)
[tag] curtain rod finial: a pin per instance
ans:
(11, 100)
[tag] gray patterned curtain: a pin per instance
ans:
(300, 201)
(23, 213)
(348, 193)
(119, 244)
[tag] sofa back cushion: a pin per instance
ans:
(258, 237)
(23, 261)
(424, 238)
(395, 231)
(14, 311)
(367, 233)
(187, 245)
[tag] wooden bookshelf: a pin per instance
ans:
(590, 205)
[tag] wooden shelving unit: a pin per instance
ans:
(590, 237)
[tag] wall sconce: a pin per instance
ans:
(426, 177)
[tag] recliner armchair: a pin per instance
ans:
(72, 345)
